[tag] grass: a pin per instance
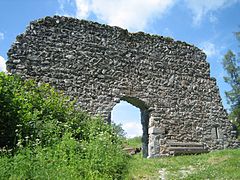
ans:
(135, 142)
(223, 164)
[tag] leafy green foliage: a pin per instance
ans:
(231, 64)
(31, 113)
(50, 138)
(119, 130)
(232, 67)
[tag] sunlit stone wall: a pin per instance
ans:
(100, 65)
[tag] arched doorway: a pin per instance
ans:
(129, 117)
(138, 126)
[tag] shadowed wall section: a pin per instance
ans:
(100, 65)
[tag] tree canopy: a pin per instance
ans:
(231, 64)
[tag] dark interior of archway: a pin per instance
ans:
(144, 120)
(135, 102)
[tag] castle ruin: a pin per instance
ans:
(99, 65)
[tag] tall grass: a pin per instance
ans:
(68, 159)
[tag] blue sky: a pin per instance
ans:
(207, 24)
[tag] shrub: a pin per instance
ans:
(26, 109)
(35, 114)
(51, 139)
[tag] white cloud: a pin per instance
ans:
(130, 14)
(213, 19)
(167, 32)
(136, 15)
(2, 64)
(201, 8)
(1, 36)
(65, 7)
(210, 49)
(132, 129)
(82, 9)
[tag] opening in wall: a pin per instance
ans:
(128, 117)
(133, 116)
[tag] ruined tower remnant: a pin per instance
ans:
(100, 65)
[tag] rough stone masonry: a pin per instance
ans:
(100, 65)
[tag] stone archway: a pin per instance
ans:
(144, 117)
(100, 64)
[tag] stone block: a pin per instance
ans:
(156, 130)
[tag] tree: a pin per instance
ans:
(119, 130)
(231, 64)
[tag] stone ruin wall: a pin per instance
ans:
(100, 65)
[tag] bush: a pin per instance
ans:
(31, 113)
(51, 139)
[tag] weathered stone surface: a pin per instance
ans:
(100, 65)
